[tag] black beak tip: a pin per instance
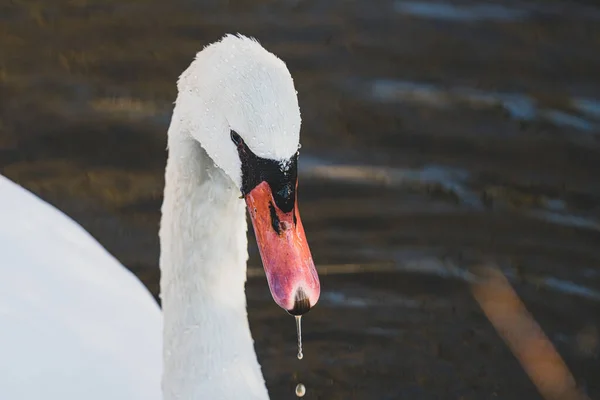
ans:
(301, 304)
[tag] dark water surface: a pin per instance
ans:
(437, 136)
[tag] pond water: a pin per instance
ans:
(437, 137)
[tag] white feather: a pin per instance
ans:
(233, 84)
(237, 84)
(75, 324)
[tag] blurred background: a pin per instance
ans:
(437, 137)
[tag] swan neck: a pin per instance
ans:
(208, 349)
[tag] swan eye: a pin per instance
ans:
(286, 191)
(236, 138)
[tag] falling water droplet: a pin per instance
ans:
(300, 390)
(299, 333)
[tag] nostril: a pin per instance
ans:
(285, 225)
(301, 303)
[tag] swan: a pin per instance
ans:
(75, 324)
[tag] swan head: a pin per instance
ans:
(239, 102)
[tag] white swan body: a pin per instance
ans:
(74, 324)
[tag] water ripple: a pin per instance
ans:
(519, 106)
(460, 13)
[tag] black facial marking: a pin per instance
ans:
(274, 219)
(256, 170)
(236, 138)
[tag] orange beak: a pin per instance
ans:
(288, 264)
